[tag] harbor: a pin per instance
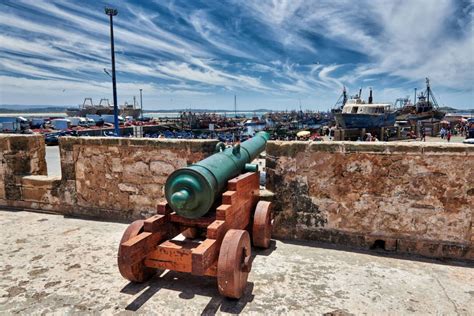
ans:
(237, 157)
(352, 119)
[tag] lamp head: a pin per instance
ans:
(111, 11)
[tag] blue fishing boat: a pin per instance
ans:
(356, 113)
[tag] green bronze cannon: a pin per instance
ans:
(191, 191)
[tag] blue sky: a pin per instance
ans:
(271, 54)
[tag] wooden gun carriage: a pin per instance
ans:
(217, 244)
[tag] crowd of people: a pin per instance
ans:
(460, 129)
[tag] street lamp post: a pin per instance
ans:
(112, 12)
(141, 104)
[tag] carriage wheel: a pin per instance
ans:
(136, 272)
(262, 224)
(234, 263)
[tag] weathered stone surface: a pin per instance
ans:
(125, 177)
(414, 198)
(375, 189)
(113, 178)
(41, 181)
(19, 155)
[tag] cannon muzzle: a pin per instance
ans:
(191, 191)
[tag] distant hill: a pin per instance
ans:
(53, 109)
(448, 109)
(31, 109)
(203, 110)
(20, 107)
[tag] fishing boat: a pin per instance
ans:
(356, 113)
(425, 108)
(88, 107)
(130, 110)
(104, 108)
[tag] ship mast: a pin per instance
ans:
(428, 91)
(344, 96)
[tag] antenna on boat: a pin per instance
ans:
(360, 92)
(414, 99)
(427, 91)
(344, 96)
(235, 105)
(370, 95)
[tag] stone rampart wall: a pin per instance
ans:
(19, 155)
(124, 178)
(102, 177)
(405, 197)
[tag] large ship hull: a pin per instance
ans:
(131, 112)
(439, 115)
(349, 120)
(90, 110)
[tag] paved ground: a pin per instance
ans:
(54, 264)
(53, 161)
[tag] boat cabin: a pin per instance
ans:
(357, 106)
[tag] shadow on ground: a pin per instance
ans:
(378, 252)
(191, 285)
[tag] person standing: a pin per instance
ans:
(423, 134)
(448, 136)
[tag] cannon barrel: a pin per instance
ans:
(191, 191)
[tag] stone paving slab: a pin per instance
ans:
(52, 264)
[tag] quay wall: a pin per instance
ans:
(403, 197)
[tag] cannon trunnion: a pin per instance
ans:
(218, 237)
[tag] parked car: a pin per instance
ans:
(51, 139)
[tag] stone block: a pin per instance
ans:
(456, 251)
(286, 148)
(131, 171)
(41, 181)
(20, 143)
(35, 194)
(446, 149)
(365, 147)
(161, 168)
(404, 148)
(125, 187)
(329, 147)
(140, 201)
(12, 192)
(117, 165)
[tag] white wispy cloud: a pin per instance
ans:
(267, 48)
